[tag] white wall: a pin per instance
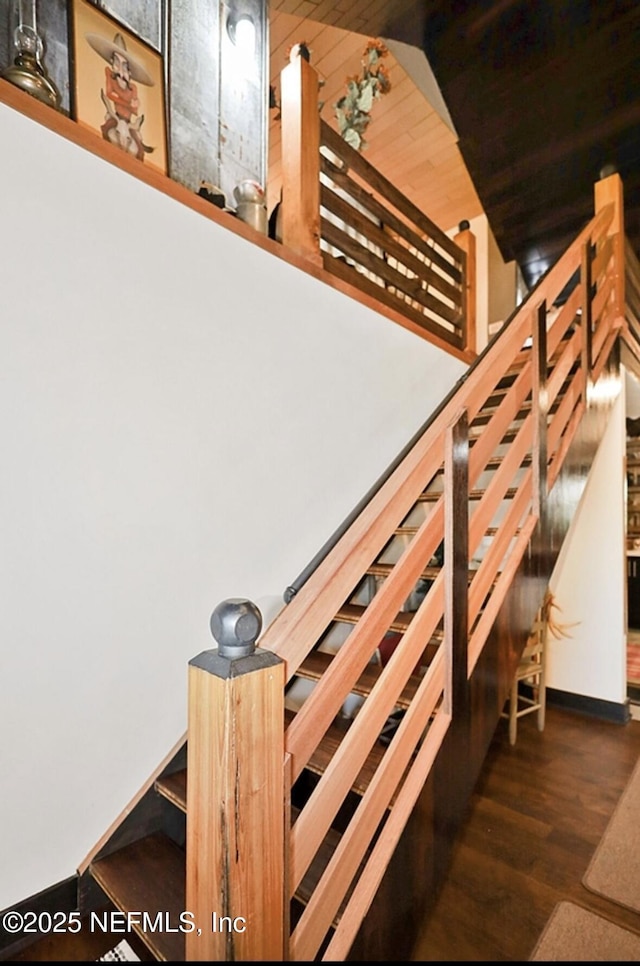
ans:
(496, 281)
(415, 64)
(589, 580)
(502, 295)
(632, 389)
(185, 418)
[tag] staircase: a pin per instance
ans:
(400, 648)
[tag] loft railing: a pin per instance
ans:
(632, 292)
(339, 211)
(519, 435)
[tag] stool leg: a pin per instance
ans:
(542, 699)
(513, 709)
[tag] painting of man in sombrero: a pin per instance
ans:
(123, 123)
(119, 85)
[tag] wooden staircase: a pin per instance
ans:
(398, 652)
(148, 874)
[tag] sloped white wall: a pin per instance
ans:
(185, 418)
(589, 579)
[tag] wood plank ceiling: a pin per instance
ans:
(542, 95)
(408, 140)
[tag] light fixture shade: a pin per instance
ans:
(242, 32)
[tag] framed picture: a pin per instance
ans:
(117, 85)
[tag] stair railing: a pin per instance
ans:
(632, 293)
(555, 347)
(345, 216)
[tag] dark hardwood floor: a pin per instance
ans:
(538, 812)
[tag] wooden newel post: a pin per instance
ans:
(609, 190)
(466, 240)
(235, 815)
(300, 128)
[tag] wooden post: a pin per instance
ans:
(466, 240)
(609, 189)
(456, 562)
(300, 159)
(235, 816)
(540, 399)
(586, 354)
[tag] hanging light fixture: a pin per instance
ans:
(27, 71)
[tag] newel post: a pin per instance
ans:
(300, 129)
(235, 814)
(609, 190)
(466, 240)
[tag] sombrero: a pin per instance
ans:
(106, 48)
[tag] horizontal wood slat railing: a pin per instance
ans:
(420, 267)
(339, 209)
(513, 418)
(632, 298)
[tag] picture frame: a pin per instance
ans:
(117, 85)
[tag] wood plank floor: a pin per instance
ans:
(537, 814)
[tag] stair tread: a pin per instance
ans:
(148, 876)
(177, 783)
(494, 463)
(508, 437)
(429, 573)
(351, 614)
(317, 662)
(384, 569)
(323, 754)
(174, 787)
(476, 494)
(488, 412)
(411, 531)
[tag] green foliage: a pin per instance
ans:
(353, 110)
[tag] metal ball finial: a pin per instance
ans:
(464, 225)
(607, 170)
(236, 624)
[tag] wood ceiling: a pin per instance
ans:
(542, 95)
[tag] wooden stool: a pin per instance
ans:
(531, 671)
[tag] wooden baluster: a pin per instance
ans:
(300, 159)
(235, 776)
